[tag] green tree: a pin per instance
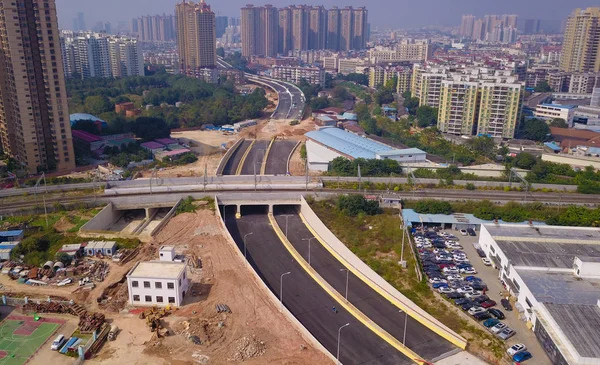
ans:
(427, 116)
(98, 104)
(384, 96)
(524, 161)
(482, 145)
(543, 87)
(535, 130)
(429, 206)
(86, 126)
(354, 204)
(151, 128)
(559, 123)
(411, 104)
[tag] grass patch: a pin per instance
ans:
(377, 241)
(186, 206)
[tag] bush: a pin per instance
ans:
(186, 206)
(470, 186)
(433, 207)
(353, 205)
(294, 122)
(303, 152)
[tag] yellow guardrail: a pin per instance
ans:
(356, 313)
(238, 171)
(461, 343)
(263, 166)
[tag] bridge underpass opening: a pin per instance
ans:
(286, 209)
(254, 210)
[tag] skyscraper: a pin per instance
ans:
(360, 28)
(221, 25)
(196, 37)
(466, 26)
(333, 29)
(79, 22)
(260, 31)
(532, 26)
(285, 30)
(346, 28)
(300, 28)
(581, 45)
(317, 28)
(34, 119)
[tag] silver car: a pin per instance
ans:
(506, 333)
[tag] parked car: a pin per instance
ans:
(464, 289)
(522, 356)
(515, 349)
(506, 333)
(480, 252)
(478, 285)
(449, 271)
(58, 343)
(481, 316)
(468, 270)
(445, 290)
(462, 301)
(462, 261)
(491, 322)
(481, 299)
(472, 278)
(498, 328)
(474, 310)
(439, 285)
(471, 232)
(488, 304)
(463, 232)
(437, 280)
(468, 306)
(454, 295)
(453, 277)
(496, 313)
(506, 304)
(486, 261)
(473, 294)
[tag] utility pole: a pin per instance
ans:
(205, 176)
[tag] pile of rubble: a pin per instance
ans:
(88, 322)
(48, 307)
(153, 318)
(115, 296)
(55, 273)
(247, 347)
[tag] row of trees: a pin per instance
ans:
(354, 204)
(341, 166)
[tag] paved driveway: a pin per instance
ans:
(490, 276)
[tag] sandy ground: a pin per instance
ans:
(222, 280)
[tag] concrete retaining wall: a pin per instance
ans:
(105, 218)
(371, 278)
(166, 219)
(227, 155)
(304, 333)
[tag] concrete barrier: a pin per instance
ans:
(356, 313)
(103, 219)
(304, 333)
(263, 166)
(371, 278)
(243, 160)
(166, 219)
(227, 156)
(287, 168)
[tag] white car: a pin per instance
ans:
(462, 261)
(465, 289)
(468, 271)
(439, 251)
(515, 349)
(473, 294)
(486, 261)
(450, 271)
(498, 328)
(458, 256)
(445, 290)
(453, 277)
(476, 310)
(437, 280)
(463, 232)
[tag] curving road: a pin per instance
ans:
(305, 299)
(255, 157)
(277, 160)
(419, 338)
(235, 158)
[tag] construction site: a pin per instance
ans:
(227, 315)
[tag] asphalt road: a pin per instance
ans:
(419, 338)
(278, 157)
(304, 297)
(255, 158)
(233, 162)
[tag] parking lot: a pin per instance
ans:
(450, 271)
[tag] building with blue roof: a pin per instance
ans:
(326, 144)
(9, 236)
(552, 111)
(76, 117)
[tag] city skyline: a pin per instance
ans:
(396, 14)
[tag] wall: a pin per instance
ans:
(153, 291)
(370, 277)
(166, 219)
(319, 154)
(102, 220)
(581, 161)
(227, 155)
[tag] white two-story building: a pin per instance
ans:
(162, 282)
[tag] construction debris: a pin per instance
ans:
(123, 256)
(247, 347)
(90, 322)
(222, 308)
(153, 318)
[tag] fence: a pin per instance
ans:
(19, 302)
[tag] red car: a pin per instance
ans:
(442, 266)
(488, 304)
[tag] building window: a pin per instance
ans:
(171, 299)
(170, 286)
(179, 282)
(147, 284)
(528, 302)
(158, 285)
(136, 298)
(148, 298)
(159, 299)
(134, 284)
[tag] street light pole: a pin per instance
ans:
(286, 223)
(308, 239)
(246, 235)
(347, 276)
(281, 288)
(338, 343)
(405, 323)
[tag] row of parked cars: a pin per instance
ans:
(450, 272)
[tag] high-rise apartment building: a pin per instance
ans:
(34, 118)
(79, 22)
(490, 28)
(221, 24)
(500, 108)
(302, 28)
(581, 45)
(154, 28)
(89, 54)
(466, 26)
(458, 107)
(531, 26)
(196, 37)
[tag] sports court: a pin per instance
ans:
(22, 336)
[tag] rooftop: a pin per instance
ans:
(157, 270)
(152, 145)
(349, 143)
(559, 106)
(561, 287)
(75, 117)
(11, 233)
(165, 141)
(581, 325)
(544, 233)
(409, 215)
(85, 136)
(100, 244)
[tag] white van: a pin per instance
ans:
(58, 342)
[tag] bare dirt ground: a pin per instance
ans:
(254, 326)
(282, 129)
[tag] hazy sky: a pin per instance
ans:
(382, 13)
